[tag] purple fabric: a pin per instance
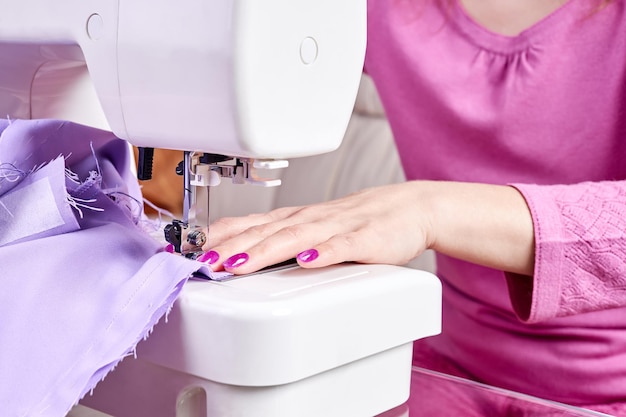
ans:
(37, 206)
(544, 110)
(77, 299)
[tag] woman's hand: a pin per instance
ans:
(486, 224)
(378, 225)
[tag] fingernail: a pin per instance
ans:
(169, 248)
(308, 255)
(209, 257)
(236, 260)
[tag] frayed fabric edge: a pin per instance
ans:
(161, 314)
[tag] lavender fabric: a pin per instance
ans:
(80, 290)
(37, 206)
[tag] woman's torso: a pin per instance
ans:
(545, 106)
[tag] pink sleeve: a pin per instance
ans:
(580, 250)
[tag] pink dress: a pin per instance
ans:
(546, 112)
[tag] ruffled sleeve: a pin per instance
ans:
(580, 250)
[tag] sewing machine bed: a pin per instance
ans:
(329, 342)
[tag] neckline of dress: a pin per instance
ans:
(506, 44)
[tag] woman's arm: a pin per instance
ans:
(486, 224)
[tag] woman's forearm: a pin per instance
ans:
(489, 225)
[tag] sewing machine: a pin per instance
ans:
(217, 79)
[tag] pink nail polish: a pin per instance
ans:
(209, 257)
(169, 248)
(236, 260)
(308, 255)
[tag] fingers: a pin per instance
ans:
(359, 246)
(262, 248)
(373, 226)
(353, 247)
(229, 227)
(269, 239)
(313, 246)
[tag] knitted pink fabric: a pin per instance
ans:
(545, 111)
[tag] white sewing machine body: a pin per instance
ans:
(222, 76)
(219, 76)
(294, 342)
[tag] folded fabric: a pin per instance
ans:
(37, 206)
(83, 283)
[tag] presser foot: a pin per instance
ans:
(186, 241)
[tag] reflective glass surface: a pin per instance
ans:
(441, 395)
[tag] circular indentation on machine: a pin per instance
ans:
(308, 50)
(95, 27)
